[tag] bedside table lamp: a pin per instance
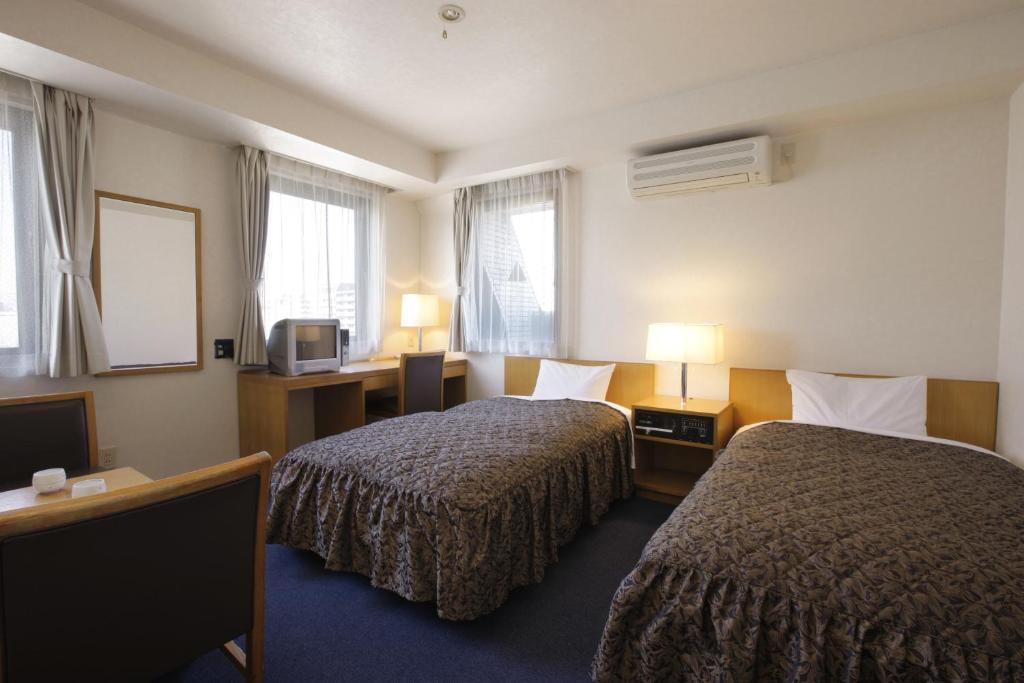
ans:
(419, 310)
(685, 343)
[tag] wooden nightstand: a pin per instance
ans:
(674, 445)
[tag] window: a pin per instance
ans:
(324, 255)
(515, 301)
(21, 240)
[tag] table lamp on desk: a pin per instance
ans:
(685, 343)
(419, 310)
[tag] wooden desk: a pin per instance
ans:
(28, 497)
(339, 400)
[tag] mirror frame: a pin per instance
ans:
(97, 283)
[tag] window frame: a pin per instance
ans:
(28, 252)
(362, 216)
(488, 199)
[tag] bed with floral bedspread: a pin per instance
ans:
(459, 507)
(813, 553)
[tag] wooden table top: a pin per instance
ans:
(28, 497)
(353, 372)
(674, 404)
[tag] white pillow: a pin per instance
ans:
(566, 380)
(899, 404)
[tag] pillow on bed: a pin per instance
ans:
(899, 404)
(566, 380)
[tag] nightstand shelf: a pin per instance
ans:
(665, 482)
(674, 442)
(679, 443)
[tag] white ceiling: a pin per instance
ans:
(513, 66)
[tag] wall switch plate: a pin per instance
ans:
(223, 348)
(788, 152)
(108, 457)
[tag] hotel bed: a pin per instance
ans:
(463, 506)
(822, 553)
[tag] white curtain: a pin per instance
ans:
(516, 297)
(325, 250)
(254, 196)
(23, 303)
(64, 129)
(461, 231)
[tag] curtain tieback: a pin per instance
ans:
(252, 286)
(459, 291)
(75, 268)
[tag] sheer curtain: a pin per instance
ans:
(24, 307)
(325, 250)
(519, 270)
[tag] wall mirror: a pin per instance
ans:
(146, 273)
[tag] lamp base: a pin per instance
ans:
(682, 388)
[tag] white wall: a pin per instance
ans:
(897, 224)
(881, 254)
(402, 255)
(172, 423)
(1011, 340)
(71, 45)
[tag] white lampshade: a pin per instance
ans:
(705, 343)
(686, 343)
(419, 310)
(666, 342)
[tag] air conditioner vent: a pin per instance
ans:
(694, 155)
(695, 168)
(727, 164)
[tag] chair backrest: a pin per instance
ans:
(421, 382)
(133, 583)
(39, 432)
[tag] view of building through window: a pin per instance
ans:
(22, 245)
(310, 268)
(535, 233)
(516, 282)
(9, 333)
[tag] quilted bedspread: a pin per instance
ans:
(458, 507)
(820, 554)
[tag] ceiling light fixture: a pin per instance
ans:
(450, 14)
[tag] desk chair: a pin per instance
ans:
(420, 387)
(39, 432)
(133, 583)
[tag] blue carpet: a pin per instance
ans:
(330, 626)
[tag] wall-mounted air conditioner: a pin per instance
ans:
(714, 167)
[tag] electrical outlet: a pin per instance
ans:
(411, 340)
(108, 457)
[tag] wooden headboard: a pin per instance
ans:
(631, 382)
(957, 409)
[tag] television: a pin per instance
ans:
(299, 346)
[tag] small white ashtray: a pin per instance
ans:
(88, 487)
(48, 481)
